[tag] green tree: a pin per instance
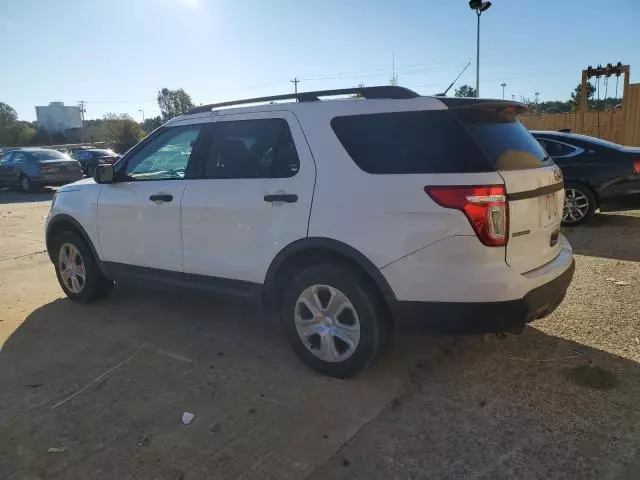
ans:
(151, 123)
(576, 97)
(358, 95)
(465, 91)
(8, 116)
(173, 103)
(122, 131)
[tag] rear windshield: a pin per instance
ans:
(506, 143)
(48, 155)
(409, 142)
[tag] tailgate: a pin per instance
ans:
(535, 191)
(535, 198)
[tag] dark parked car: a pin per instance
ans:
(33, 167)
(89, 158)
(597, 173)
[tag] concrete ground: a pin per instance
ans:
(106, 384)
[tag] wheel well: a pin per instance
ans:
(306, 257)
(587, 186)
(63, 226)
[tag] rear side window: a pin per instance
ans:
(506, 143)
(556, 149)
(409, 142)
(252, 149)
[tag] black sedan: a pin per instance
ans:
(597, 173)
(89, 158)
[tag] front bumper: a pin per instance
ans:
(482, 317)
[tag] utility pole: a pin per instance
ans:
(537, 95)
(503, 85)
(295, 82)
(394, 79)
(142, 111)
(82, 110)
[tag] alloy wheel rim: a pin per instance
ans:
(26, 183)
(576, 205)
(71, 267)
(327, 323)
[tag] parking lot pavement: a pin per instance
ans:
(107, 383)
(22, 221)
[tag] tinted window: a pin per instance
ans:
(504, 140)
(48, 155)
(102, 153)
(556, 149)
(252, 149)
(6, 158)
(409, 142)
(19, 157)
(164, 157)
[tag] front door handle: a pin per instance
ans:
(161, 197)
(281, 197)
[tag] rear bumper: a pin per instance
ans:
(478, 317)
(58, 179)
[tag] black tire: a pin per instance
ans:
(586, 193)
(374, 321)
(95, 285)
(25, 184)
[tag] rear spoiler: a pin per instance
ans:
(510, 106)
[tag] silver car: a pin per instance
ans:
(30, 168)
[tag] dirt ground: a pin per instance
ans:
(107, 384)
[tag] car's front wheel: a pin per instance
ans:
(77, 270)
(334, 319)
(579, 204)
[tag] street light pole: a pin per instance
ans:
(478, 57)
(479, 6)
(503, 85)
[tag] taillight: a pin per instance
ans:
(484, 206)
(636, 166)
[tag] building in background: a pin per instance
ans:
(58, 117)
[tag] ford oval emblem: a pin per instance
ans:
(557, 174)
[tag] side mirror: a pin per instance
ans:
(103, 173)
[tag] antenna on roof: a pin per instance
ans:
(444, 94)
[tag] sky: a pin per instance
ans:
(117, 54)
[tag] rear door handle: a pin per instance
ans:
(284, 197)
(161, 198)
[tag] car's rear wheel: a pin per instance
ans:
(26, 184)
(334, 319)
(77, 270)
(579, 204)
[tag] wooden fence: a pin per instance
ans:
(621, 125)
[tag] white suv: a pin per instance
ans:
(343, 215)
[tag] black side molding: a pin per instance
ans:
(538, 192)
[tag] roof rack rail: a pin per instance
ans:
(391, 92)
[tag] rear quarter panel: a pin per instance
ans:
(385, 217)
